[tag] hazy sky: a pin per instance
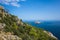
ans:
(33, 9)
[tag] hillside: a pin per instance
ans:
(12, 25)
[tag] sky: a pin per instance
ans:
(33, 9)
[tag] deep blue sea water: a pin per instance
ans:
(52, 26)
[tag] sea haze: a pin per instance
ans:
(52, 26)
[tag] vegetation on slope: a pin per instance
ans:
(23, 30)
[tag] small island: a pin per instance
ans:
(37, 22)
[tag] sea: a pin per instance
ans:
(51, 26)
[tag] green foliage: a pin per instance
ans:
(15, 26)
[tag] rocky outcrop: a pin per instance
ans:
(8, 36)
(2, 25)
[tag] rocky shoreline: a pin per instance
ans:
(50, 34)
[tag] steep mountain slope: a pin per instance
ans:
(15, 26)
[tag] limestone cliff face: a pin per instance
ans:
(13, 28)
